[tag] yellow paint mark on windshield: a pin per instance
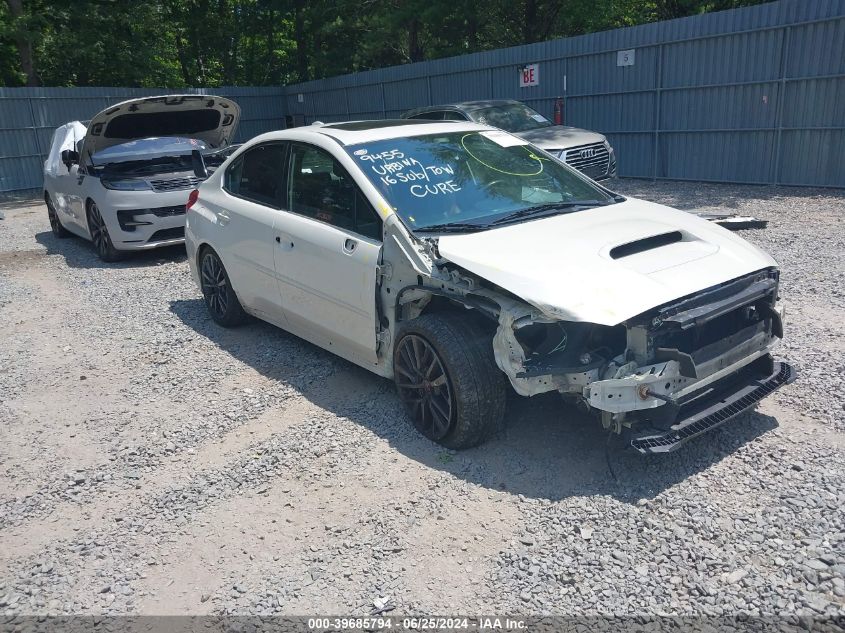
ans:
(531, 155)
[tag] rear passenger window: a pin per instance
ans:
(258, 175)
(320, 188)
(451, 115)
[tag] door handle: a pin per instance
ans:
(288, 245)
(223, 218)
(350, 245)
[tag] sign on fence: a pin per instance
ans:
(529, 76)
(625, 58)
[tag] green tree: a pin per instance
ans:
(172, 43)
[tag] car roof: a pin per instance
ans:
(355, 132)
(463, 106)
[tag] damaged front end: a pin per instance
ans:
(658, 379)
(663, 377)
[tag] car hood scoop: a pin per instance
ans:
(645, 244)
(608, 264)
(208, 118)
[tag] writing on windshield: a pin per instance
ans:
(467, 177)
(393, 168)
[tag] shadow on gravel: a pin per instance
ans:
(79, 253)
(547, 451)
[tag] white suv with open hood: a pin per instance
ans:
(123, 181)
(456, 258)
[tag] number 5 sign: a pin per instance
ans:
(625, 58)
(529, 76)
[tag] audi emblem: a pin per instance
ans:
(588, 153)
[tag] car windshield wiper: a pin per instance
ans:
(452, 227)
(550, 208)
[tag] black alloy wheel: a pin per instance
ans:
(220, 297)
(55, 224)
(214, 283)
(424, 387)
(100, 235)
(446, 376)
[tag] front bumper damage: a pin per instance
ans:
(716, 406)
(685, 413)
(685, 369)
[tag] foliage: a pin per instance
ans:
(173, 43)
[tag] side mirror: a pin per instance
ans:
(198, 163)
(70, 157)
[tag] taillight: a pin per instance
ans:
(192, 198)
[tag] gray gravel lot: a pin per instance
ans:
(155, 463)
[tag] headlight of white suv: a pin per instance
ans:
(125, 184)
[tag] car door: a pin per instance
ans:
(69, 197)
(245, 209)
(64, 181)
(328, 246)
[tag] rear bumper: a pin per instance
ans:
(715, 405)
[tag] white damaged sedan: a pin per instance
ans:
(123, 181)
(456, 259)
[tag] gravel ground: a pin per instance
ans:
(153, 463)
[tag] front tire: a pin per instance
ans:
(100, 235)
(447, 378)
(220, 298)
(55, 223)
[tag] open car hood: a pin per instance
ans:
(208, 118)
(608, 264)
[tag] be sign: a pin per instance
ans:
(529, 76)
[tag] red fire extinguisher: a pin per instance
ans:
(559, 111)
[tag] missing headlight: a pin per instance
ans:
(564, 346)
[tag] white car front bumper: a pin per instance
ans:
(141, 220)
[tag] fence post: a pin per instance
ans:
(383, 102)
(784, 54)
(658, 85)
(35, 132)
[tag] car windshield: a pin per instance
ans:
(148, 155)
(146, 148)
(511, 117)
(472, 180)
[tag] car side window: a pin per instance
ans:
(320, 188)
(258, 174)
(436, 115)
(453, 115)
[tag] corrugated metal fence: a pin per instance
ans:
(753, 95)
(28, 117)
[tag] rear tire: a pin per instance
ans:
(55, 223)
(220, 298)
(447, 378)
(100, 236)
